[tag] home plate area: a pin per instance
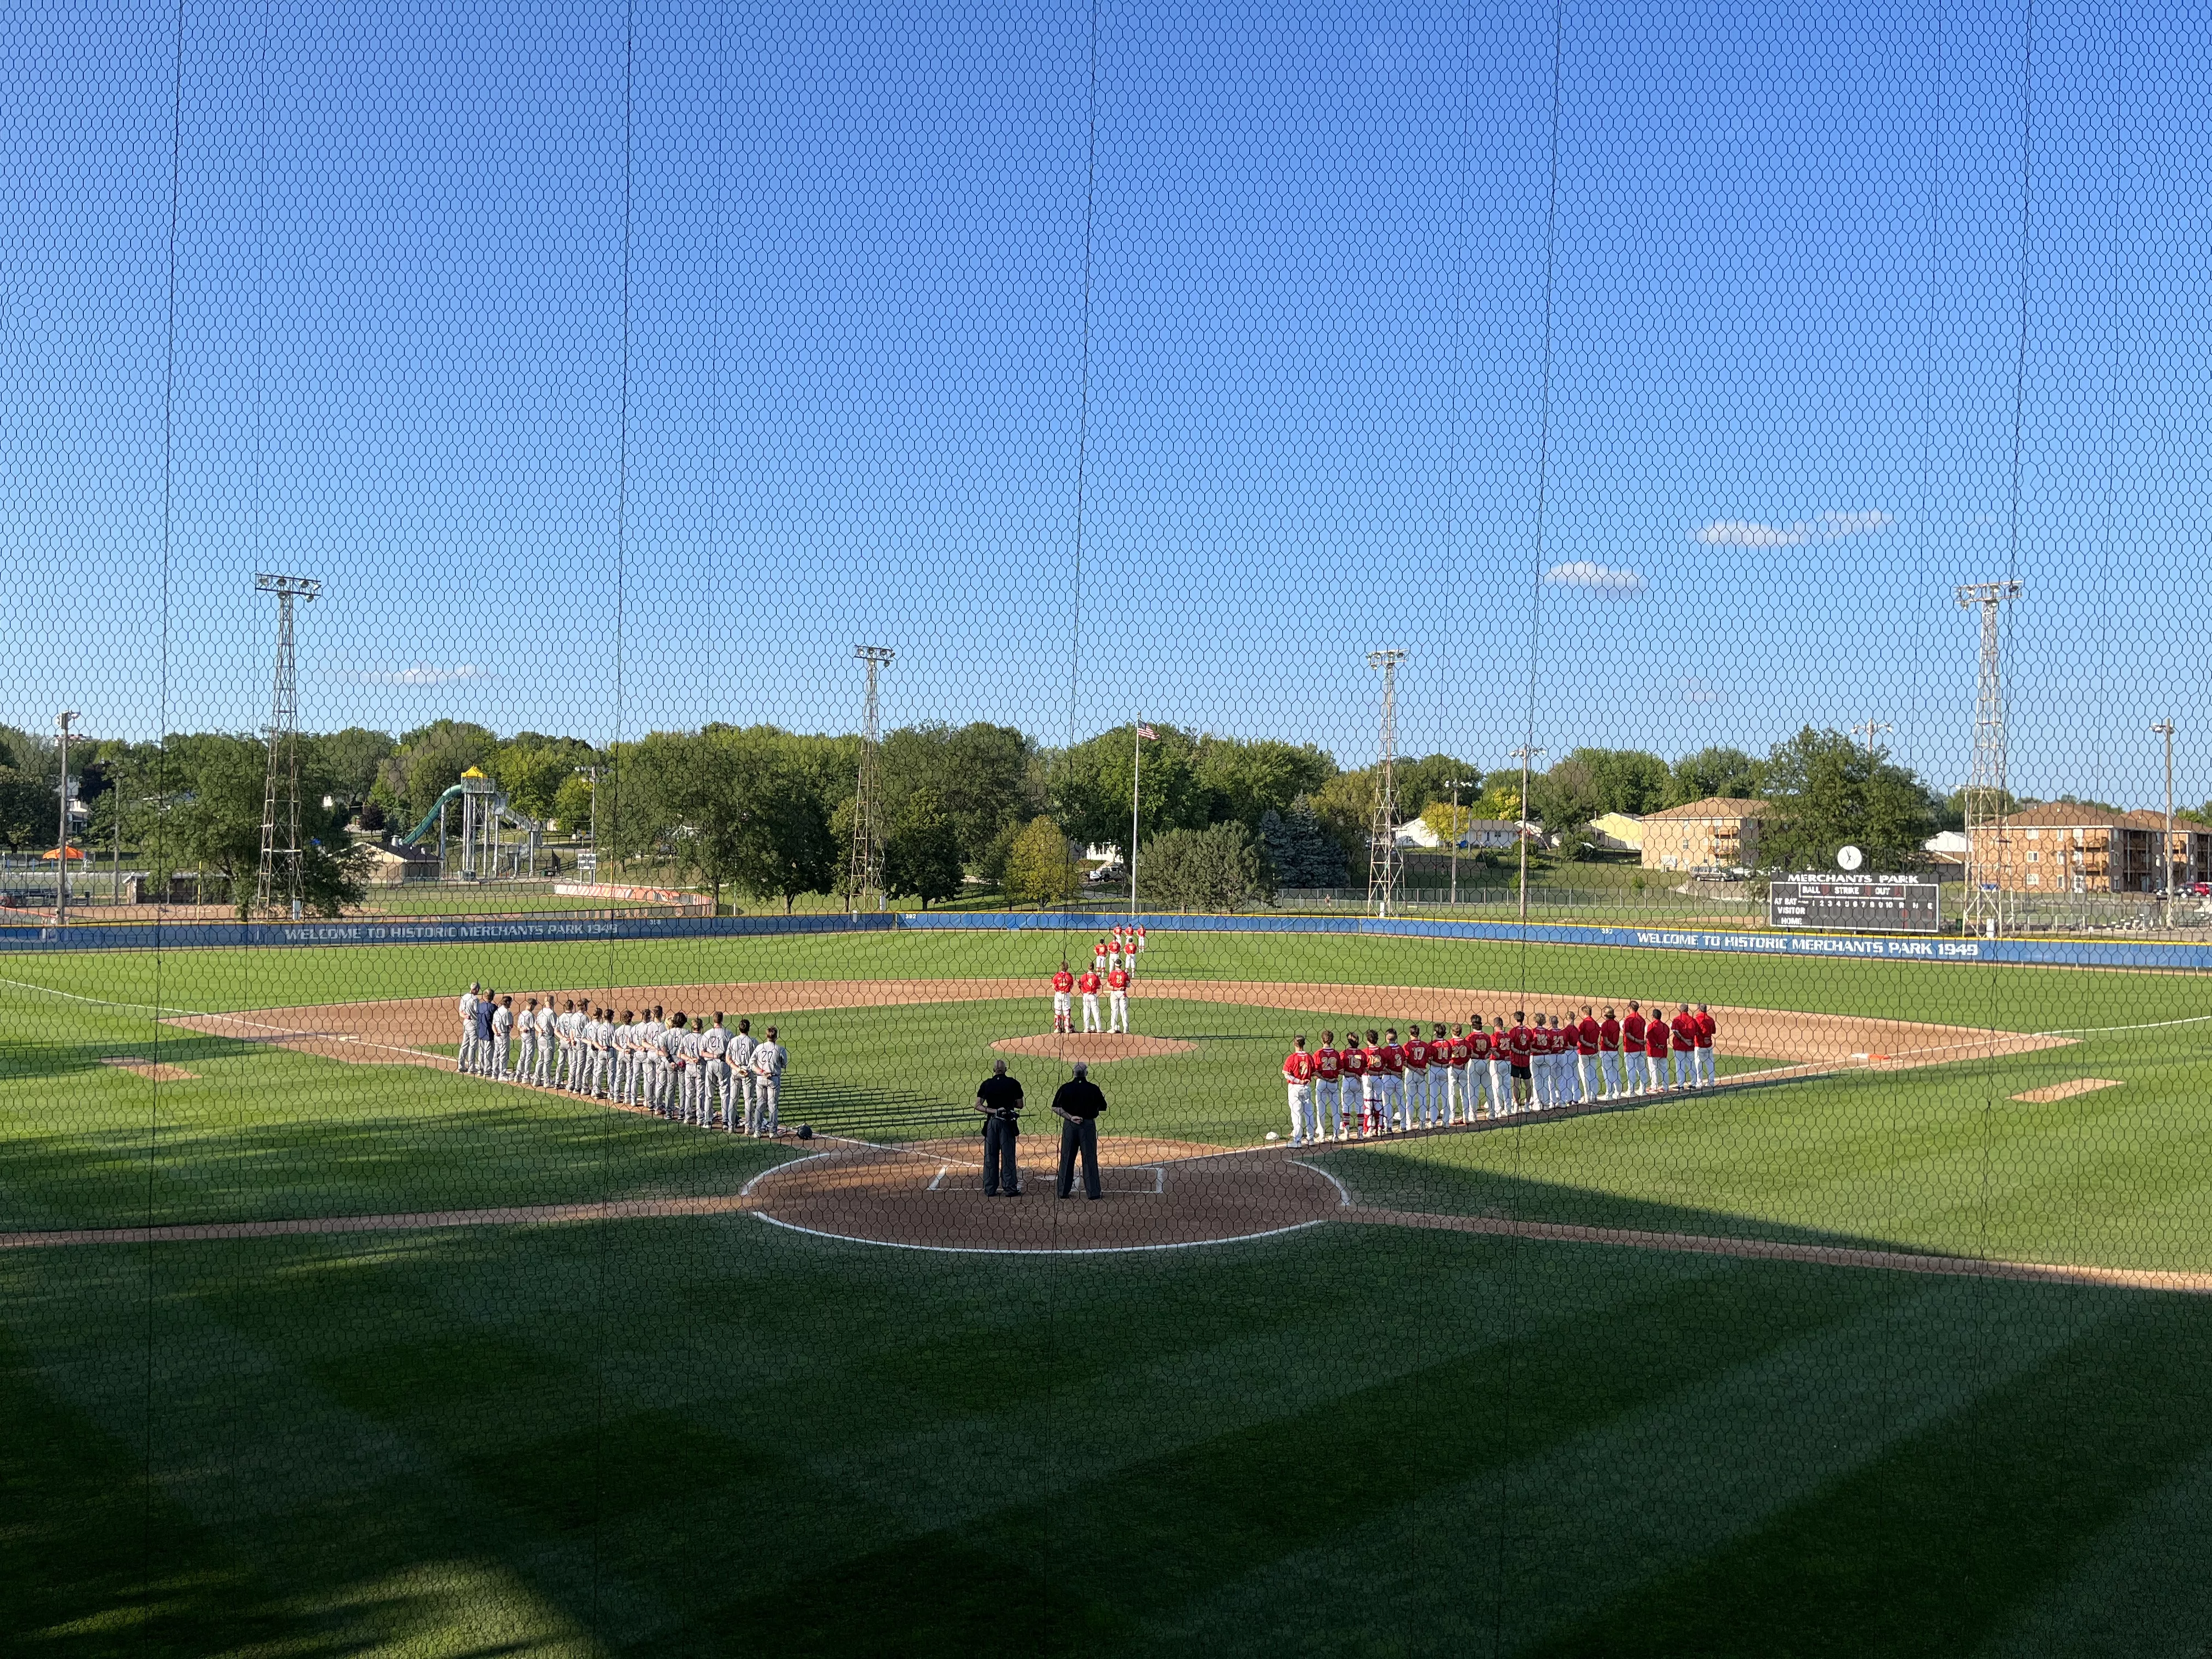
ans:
(1159, 1195)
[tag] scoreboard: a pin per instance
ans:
(1858, 904)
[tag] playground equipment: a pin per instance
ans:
(486, 849)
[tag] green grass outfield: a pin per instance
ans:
(708, 1435)
(2010, 997)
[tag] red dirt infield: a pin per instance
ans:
(1096, 1047)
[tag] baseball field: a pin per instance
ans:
(1896, 1342)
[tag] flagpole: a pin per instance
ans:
(1136, 779)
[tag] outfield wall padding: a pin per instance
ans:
(2056, 953)
(235, 935)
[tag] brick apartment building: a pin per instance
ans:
(1719, 830)
(2065, 848)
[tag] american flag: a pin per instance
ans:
(1144, 731)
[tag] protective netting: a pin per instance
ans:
(631, 582)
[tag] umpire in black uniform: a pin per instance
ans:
(999, 1097)
(1079, 1103)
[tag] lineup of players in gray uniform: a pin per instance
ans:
(674, 1066)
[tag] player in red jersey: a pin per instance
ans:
(1098, 955)
(1063, 988)
(1088, 985)
(1415, 1050)
(1475, 1046)
(1298, 1073)
(1117, 1000)
(1708, 1028)
(1631, 1037)
(1520, 1051)
(1589, 1038)
(1655, 1049)
(1371, 1085)
(1608, 1049)
(1393, 1058)
(1684, 1029)
(1329, 1115)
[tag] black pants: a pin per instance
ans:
(999, 1168)
(1078, 1134)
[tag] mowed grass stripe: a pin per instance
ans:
(1940, 1545)
(2007, 997)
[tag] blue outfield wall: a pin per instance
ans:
(2055, 953)
(234, 935)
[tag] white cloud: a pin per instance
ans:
(1828, 527)
(1702, 693)
(1605, 578)
(423, 673)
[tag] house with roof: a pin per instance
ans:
(2062, 847)
(1720, 831)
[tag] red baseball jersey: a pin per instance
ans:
(1328, 1065)
(1591, 1034)
(1707, 1026)
(1632, 1028)
(1298, 1066)
(1461, 1048)
(1416, 1051)
(1394, 1060)
(1373, 1055)
(1655, 1038)
(1090, 983)
(1355, 1060)
(1118, 979)
(1519, 1044)
(1477, 1047)
(1439, 1052)
(1686, 1033)
(1608, 1035)
(1063, 981)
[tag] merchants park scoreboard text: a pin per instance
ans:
(1858, 904)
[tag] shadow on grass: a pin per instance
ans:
(56, 1060)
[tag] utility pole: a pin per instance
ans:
(2164, 729)
(61, 851)
(1524, 755)
(867, 872)
(1457, 785)
(1872, 729)
(1382, 830)
(283, 745)
(591, 775)
(1985, 783)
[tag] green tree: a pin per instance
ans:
(350, 760)
(1040, 866)
(979, 772)
(1220, 868)
(1246, 780)
(430, 761)
(728, 806)
(1300, 852)
(1827, 790)
(572, 804)
(30, 812)
(1725, 771)
(922, 851)
(1089, 784)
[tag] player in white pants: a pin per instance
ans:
(1414, 1055)
(1708, 1028)
(1328, 1087)
(769, 1061)
(502, 1038)
(1299, 1074)
(526, 1041)
(1090, 1002)
(713, 1048)
(1117, 1000)
(468, 1056)
(570, 1028)
(1440, 1075)
(740, 1109)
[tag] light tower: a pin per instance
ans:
(1985, 780)
(283, 746)
(1383, 832)
(867, 874)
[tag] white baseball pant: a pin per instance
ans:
(1117, 1017)
(467, 1061)
(1329, 1105)
(1585, 1064)
(498, 1051)
(1302, 1129)
(1706, 1066)
(1062, 1010)
(1440, 1092)
(1090, 1013)
(1501, 1086)
(1609, 1071)
(766, 1092)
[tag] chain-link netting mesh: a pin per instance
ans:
(1268, 831)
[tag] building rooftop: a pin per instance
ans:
(1713, 806)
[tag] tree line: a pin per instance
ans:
(768, 813)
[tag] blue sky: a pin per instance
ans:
(1784, 322)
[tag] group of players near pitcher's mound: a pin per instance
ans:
(1387, 1085)
(676, 1067)
(1112, 970)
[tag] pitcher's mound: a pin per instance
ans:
(1094, 1046)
